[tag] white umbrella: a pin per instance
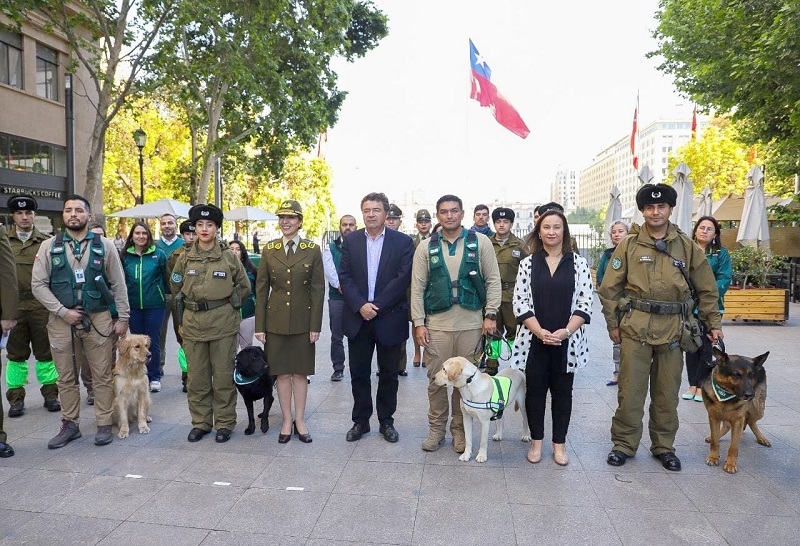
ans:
(614, 211)
(156, 209)
(249, 214)
(646, 175)
(682, 213)
(754, 228)
(706, 203)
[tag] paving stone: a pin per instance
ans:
(537, 524)
(651, 527)
(765, 529)
(382, 520)
(188, 505)
(58, 529)
(109, 497)
(713, 493)
(283, 513)
(438, 524)
(311, 474)
(39, 490)
(133, 533)
(640, 490)
(380, 478)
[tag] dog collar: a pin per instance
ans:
(721, 394)
(239, 379)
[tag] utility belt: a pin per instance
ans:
(507, 285)
(205, 305)
(659, 307)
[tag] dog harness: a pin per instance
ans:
(240, 379)
(721, 394)
(497, 403)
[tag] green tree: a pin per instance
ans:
(583, 215)
(740, 57)
(258, 73)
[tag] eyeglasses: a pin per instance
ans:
(706, 229)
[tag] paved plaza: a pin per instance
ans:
(160, 489)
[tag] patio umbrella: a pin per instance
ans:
(646, 175)
(754, 228)
(682, 213)
(614, 211)
(706, 203)
(156, 209)
(249, 214)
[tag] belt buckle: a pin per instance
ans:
(202, 306)
(655, 308)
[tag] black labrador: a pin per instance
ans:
(254, 382)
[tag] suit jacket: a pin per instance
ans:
(290, 290)
(391, 285)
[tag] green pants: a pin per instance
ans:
(211, 391)
(659, 367)
(3, 436)
(30, 331)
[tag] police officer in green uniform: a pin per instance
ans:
(508, 248)
(31, 328)
(189, 236)
(77, 276)
(646, 300)
(9, 300)
(210, 284)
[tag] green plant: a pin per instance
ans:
(754, 266)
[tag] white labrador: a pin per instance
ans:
(477, 388)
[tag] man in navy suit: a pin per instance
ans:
(374, 275)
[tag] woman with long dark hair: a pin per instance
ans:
(552, 301)
(707, 236)
(146, 275)
(247, 328)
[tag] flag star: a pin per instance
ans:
(479, 60)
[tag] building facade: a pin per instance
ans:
(564, 189)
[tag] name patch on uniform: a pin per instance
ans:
(678, 263)
(516, 253)
(97, 263)
(177, 278)
(645, 259)
(616, 263)
(219, 274)
(192, 272)
(472, 246)
(434, 250)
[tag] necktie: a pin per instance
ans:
(290, 248)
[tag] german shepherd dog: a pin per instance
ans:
(254, 382)
(734, 395)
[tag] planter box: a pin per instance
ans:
(757, 304)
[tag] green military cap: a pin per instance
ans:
(394, 211)
(290, 207)
(423, 214)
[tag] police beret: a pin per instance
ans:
(552, 205)
(22, 202)
(205, 212)
(394, 211)
(186, 227)
(503, 213)
(290, 207)
(423, 214)
(651, 194)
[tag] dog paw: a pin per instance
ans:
(708, 439)
(144, 429)
(465, 456)
(730, 467)
(497, 437)
(481, 458)
(264, 427)
(763, 441)
(249, 430)
(712, 461)
(526, 439)
(149, 419)
(123, 433)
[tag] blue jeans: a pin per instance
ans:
(335, 310)
(148, 322)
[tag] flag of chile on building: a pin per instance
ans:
(485, 92)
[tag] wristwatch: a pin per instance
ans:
(491, 316)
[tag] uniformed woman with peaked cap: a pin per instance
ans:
(290, 291)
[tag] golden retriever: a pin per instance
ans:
(131, 386)
(476, 389)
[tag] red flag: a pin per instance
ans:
(485, 92)
(635, 136)
(694, 123)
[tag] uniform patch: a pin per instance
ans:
(678, 263)
(434, 250)
(616, 263)
(472, 246)
(192, 272)
(219, 274)
(471, 254)
(56, 260)
(177, 278)
(516, 253)
(645, 259)
(303, 246)
(434, 260)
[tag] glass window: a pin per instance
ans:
(22, 154)
(3, 151)
(46, 72)
(10, 59)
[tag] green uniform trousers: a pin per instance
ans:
(96, 346)
(444, 345)
(507, 325)
(3, 435)
(30, 331)
(661, 367)
(211, 391)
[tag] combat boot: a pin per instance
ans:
(50, 394)
(69, 431)
(434, 441)
(90, 398)
(16, 400)
(184, 376)
(459, 442)
(492, 367)
(103, 436)
(16, 410)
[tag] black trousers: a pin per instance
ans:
(360, 350)
(545, 370)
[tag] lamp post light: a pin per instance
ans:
(140, 137)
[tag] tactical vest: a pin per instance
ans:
(438, 296)
(336, 254)
(62, 277)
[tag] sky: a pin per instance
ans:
(571, 68)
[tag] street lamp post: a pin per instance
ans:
(140, 137)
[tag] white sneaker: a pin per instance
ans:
(155, 386)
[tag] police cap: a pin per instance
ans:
(205, 212)
(290, 207)
(503, 213)
(423, 214)
(22, 202)
(651, 194)
(552, 205)
(394, 211)
(186, 227)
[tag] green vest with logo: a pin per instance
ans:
(62, 277)
(336, 254)
(438, 295)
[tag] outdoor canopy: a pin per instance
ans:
(156, 209)
(249, 214)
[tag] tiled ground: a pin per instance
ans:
(160, 489)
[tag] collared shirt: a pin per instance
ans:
(374, 249)
(169, 241)
(295, 239)
(328, 265)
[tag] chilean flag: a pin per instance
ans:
(635, 136)
(485, 92)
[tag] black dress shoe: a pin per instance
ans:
(389, 433)
(402, 373)
(357, 432)
(669, 460)
(337, 376)
(284, 438)
(617, 458)
(16, 410)
(6, 451)
(223, 435)
(196, 434)
(305, 438)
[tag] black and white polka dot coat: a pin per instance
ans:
(578, 353)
